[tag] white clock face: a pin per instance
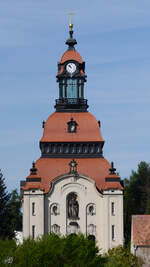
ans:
(71, 68)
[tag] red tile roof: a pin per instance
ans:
(55, 128)
(113, 185)
(113, 176)
(141, 229)
(49, 168)
(33, 185)
(71, 55)
(110, 184)
(34, 176)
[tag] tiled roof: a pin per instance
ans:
(33, 176)
(113, 176)
(112, 181)
(49, 168)
(55, 128)
(141, 229)
(113, 185)
(71, 55)
(33, 185)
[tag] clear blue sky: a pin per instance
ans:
(114, 40)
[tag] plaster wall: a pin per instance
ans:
(30, 219)
(144, 253)
(101, 219)
(87, 194)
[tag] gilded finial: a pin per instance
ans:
(70, 24)
(71, 41)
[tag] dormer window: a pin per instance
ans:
(72, 126)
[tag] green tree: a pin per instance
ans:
(70, 251)
(7, 248)
(148, 202)
(14, 211)
(10, 211)
(4, 198)
(136, 196)
(121, 257)
(53, 250)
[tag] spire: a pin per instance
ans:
(112, 169)
(33, 169)
(71, 41)
(70, 24)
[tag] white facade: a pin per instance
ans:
(33, 218)
(97, 214)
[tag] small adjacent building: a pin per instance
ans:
(140, 237)
(72, 188)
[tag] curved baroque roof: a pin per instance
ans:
(71, 55)
(49, 168)
(56, 128)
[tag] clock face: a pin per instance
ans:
(71, 68)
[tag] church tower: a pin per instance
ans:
(72, 188)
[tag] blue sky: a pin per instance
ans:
(114, 40)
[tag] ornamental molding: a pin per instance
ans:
(73, 186)
(74, 182)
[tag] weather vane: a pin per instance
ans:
(70, 24)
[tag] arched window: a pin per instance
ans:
(65, 148)
(91, 148)
(80, 88)
(63, 88)
(55, 209)
(71, 148)
(47, 149)
(84, 149)
(78, 148)
(56, 228)
(72, 206)
(91, 209)
(97, 148)
(71, 88)
(53, 148)
(59, 148)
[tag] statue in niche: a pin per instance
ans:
(73, 206)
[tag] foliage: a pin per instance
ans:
(121, 257)
(14, 210)
(7, 248)
(136, 196)
(10, 211)
(4, 198)
(53, 250)
(70, 251)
